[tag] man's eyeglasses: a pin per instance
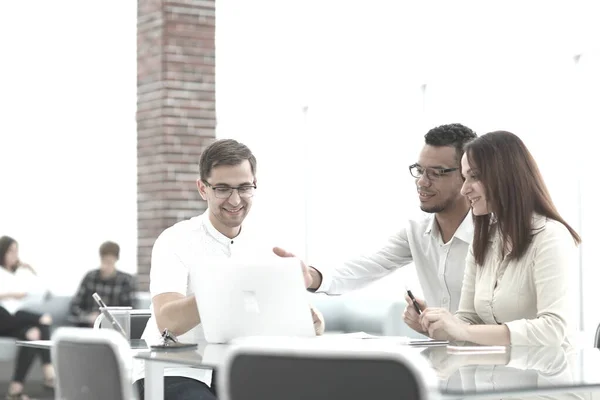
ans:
(224, 192)
(433, 173)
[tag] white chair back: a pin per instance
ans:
(91, 364)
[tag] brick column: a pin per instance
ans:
(175, 113)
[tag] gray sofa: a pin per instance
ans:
(346, 313)
(349, 313)
(354, 312)
(58, 307)
(359, 313)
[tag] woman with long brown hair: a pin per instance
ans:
(516, 284)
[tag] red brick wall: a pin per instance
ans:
(175, 113)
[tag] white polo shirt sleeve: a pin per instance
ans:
(168, 273)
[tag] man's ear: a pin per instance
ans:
(201, 188)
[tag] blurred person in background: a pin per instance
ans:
(17, 283)
(114, 287)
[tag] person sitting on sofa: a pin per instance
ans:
(114, 287)
(15, 321)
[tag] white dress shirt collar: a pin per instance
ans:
(464, 231)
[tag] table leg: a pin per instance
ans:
(154, 380)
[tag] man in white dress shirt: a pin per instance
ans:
(227, 182)
(436, 243)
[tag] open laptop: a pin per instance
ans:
(239, 298)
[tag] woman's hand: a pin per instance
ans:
(439, 323)
(27, 266)
(13, 295)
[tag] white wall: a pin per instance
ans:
(68, 134)
(586, 121)
(327, 93)
(362, 71)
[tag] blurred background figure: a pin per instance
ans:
(116, 288)
(19, 286)
(17, 277)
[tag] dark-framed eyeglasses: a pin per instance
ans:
(433, 173)
(224, 192)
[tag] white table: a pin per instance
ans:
(530, 371)
(136, 344)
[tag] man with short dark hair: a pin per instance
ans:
(437, 243)
(114, 287)
(227, 182)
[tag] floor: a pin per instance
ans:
(34, 390)
(33, 386)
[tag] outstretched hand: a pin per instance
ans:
(308, 280)
(440, 323)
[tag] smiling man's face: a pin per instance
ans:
(437, 194)
(227, 214)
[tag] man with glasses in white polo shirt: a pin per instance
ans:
(437, 243)
(227, 182)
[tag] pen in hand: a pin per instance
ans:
(414, 301)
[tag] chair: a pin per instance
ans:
(91, 364)
(324, 370)
(139, 319)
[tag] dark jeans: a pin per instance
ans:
(181, 388)
(17, 326)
